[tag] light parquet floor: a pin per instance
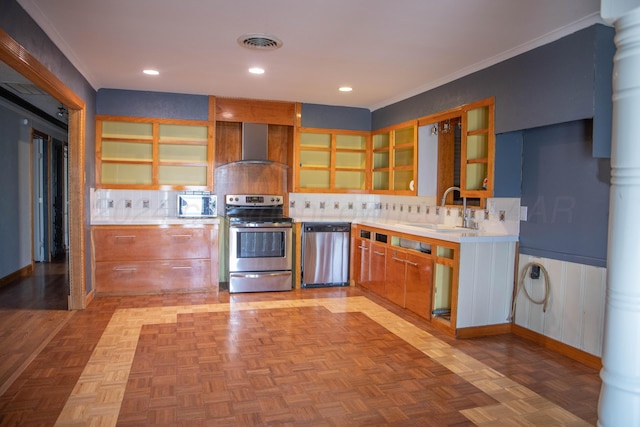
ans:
(325, 357)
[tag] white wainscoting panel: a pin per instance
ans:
(575, 311)
(485, 283)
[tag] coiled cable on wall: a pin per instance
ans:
(544, 301)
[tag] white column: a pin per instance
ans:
(619, 403)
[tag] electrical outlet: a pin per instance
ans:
(502, 215)
(535, 272)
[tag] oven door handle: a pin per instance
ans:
(262, 225)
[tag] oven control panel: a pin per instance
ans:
(254, 200)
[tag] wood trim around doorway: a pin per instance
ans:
(21, 60)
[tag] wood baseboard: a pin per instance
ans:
(24, 271)
(483, 331)
(564, 349)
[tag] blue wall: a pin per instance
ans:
(10, 192)
(333, 117)
(508, 165)
(117, 102)
(566, 191)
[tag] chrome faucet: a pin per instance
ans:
(464, 204)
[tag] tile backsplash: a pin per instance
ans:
(123, 205)
(347, 207)
(502, 215)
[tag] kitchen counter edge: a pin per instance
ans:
(472, 236)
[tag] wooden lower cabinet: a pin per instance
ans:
(361, 262)
(154, 259)
(419, 283)
(409, 280)
(462, 289)
(377, 268)
(396, 276)
(403, 276)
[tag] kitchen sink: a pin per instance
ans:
(441, 228)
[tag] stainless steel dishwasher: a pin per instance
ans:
(325, 254)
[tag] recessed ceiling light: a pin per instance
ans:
(345, 89)
(150, 72)
(256, 70)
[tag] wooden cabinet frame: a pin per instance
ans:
(392, 151)
(330, 167)
(451, 260)
(446, 151)
(154, 162)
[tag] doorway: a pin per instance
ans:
(20, 59)
(50, 198)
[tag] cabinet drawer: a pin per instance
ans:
(152, 276)
(113, 244)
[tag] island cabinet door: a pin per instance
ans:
(395, 280)
(361, 261)
(377, 268)
(419, 280)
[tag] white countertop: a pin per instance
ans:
(462, 236)
(459, 235)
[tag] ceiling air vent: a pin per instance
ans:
(259, 41)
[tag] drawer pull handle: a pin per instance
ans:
(364, 248)
(124, 269)
(398, 259)
(181, 235)
(179, 267)
(378, 253)
(415, 264)
(125, 237)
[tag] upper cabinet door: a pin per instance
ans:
(477, 149)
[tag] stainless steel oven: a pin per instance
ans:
(260, 244)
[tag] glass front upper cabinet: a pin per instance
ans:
(477, 149)
(395, 159)
(152, 154)
(332, 160)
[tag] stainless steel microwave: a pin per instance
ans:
(197, 205)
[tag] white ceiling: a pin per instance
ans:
(386, 50)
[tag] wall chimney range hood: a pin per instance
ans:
(255, 143)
